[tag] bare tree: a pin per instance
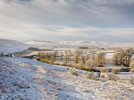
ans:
(90, 63)
(52, 59)
(127, 56)
(77, 55)
(66, 59)
(123, 57)
(41, 55)
(81, 62)
(118, 56)
(86, 58)
(100, 59)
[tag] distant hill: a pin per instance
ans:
(53, 44)
(10, 46)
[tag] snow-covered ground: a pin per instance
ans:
(25, 79)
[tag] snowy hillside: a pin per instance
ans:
(9, 46)
(52, 44)
(25, 79)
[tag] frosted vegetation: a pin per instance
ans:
(25, 79)
(120, 60)
(73, 74)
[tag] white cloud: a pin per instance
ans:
(75, 19)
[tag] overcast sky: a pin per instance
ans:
(93, 20)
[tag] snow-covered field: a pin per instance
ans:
(25, 79)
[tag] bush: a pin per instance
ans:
(63, 64)
(104, 73)
(44, 60)
(73, 72)
(90, 63)
(115, 71)
(89, 75)
(100, 65)
(100, 59)
(56, 63)
(80, 65)
(132, 80)
(70, 65)
(104, 70)
(88, 68)
(93, 76)
(132, 66)
(124, 69)
(112, 77)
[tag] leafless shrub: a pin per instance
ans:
(104, 73)
(132, 66)
(112, 77)
(125, 69)
(100, 59)
(73, 72)
(115, 71)
(132, 80)
(89, 75)
(90, 63)
(93, 76)
(104, 70)
(70, 65)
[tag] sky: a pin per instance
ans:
(67, 20)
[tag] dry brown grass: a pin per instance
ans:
(132, 80)
(73, 72)
(91, 75)
(103, 70)
(115, 71)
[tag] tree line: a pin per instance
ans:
(122, 57)
(79, 60)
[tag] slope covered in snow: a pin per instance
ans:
(25, 79)
(10, 46)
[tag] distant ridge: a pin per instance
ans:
(10, 46)
(41, 43)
